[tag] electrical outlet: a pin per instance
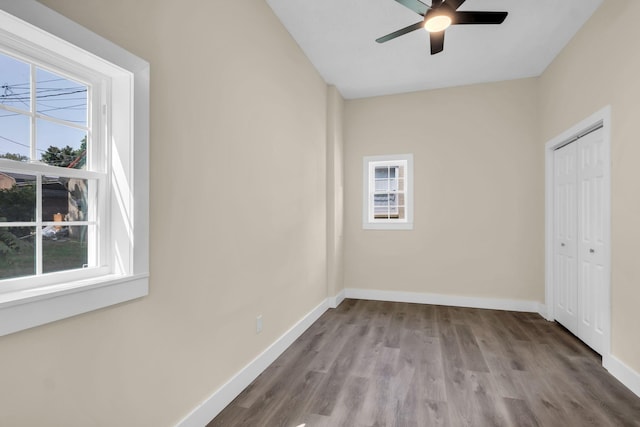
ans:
(259, 324)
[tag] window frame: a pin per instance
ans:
(369, 221)
(98, 99)
(32, 27)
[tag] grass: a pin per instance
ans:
(58, 255)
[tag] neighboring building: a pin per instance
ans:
(6, 181)
(56, 197)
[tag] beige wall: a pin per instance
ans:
(600, 67)
(240, 114)
(335, 191)
(478, 189)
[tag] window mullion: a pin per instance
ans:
(11, 109)
(32, 115)
(389, 191)
(60, 122)
(38, 236)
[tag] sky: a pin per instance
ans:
(57, 97)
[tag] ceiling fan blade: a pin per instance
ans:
(454, 4)
(460, 18)
(400, 32)
(415, 5)
(437, 42)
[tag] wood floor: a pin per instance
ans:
(370, 363)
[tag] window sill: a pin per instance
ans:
(24, 309)
(387, 226)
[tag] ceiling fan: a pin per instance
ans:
(439, 16)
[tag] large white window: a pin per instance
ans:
(388, 192)
(53, 171)
(73, 169)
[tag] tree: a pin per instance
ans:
(14, 156)
(67, 156)
(61, 157)
(16, 204)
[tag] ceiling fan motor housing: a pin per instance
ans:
(434, 17)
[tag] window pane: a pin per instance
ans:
(393, 203)
(382, 185)
(381, 200)
(381, 172)
(381, 203)
(14, 83)
(61, 98)
(60, 145)
(387, 206)
(17, 197)
(400, 199)
(64, 248)
(14, 136)
(393, 184)
(17, 252)
(64, 199)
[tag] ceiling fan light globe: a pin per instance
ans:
(437, 23)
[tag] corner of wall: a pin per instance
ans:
(335, 184)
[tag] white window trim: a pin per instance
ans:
(129, 277)
(388, 224)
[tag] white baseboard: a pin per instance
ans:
(337, 300)
(450, 300)
(623, 373)
(211, 407)
(543, 311)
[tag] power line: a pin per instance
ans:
(52, 108)
(22, 94)
(21, 98)
(29, 83)
(20, 143)
(14, 142)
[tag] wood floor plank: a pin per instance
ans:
(291, 411)
(349, 405)
(542, 399)
(489, 410)
(374, 408)
(500, 370)
(326, 397)
(374, 364)
(424, 354)
(292, 357)
(520, 413)
(471, 353)
(335, 340)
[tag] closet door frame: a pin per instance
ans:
(602, 117)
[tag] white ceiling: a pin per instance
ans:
(339, 36)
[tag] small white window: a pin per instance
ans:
(388, 192)
(73, 169)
